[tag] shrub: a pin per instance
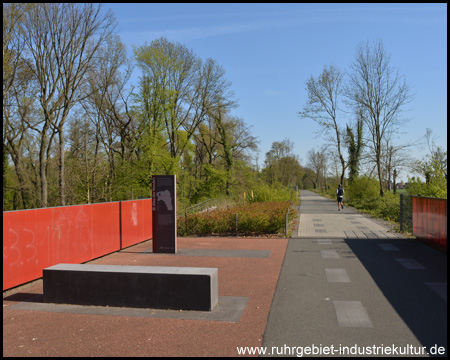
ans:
(362, 192)
(387, 207)
(253, 219)
(268, 193)
(435, 188)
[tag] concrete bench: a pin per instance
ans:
(157, 287)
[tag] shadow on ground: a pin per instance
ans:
(422, 310)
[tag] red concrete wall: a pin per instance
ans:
(430, 221)
(36, 239)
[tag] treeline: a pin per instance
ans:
(360, 114)
(76, 131)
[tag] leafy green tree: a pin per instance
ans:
(281, 165)
(176, 121)
(170, 94)
(435, 172)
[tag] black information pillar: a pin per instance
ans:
(164, 206)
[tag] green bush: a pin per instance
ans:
(435, 188)
(264, 192)
(330, 192)
(435, 171)
(253, 219)
(388, 207)
(362, 192)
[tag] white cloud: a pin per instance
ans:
(271, 93)
(193, 33)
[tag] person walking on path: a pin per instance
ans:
(340, 197)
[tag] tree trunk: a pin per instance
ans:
(380, 175)
(43, 165)
(62, 199)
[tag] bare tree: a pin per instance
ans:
(436, 152)
(106, 108)
(13, 44)
(433, 164)
(233, 138)
(322, 107)
(317, 161)
(62, 40)
(377, 89)
(19, 113)
(243, 140)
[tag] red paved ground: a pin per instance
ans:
(35, 333)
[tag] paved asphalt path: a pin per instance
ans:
(348, 282)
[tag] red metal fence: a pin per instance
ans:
(430, 221)
(136, 221)
(39, 238)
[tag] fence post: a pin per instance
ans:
(401, 213)
(120, 224)
(286, 225)
(236, 223)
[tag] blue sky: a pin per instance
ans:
(270, 50)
